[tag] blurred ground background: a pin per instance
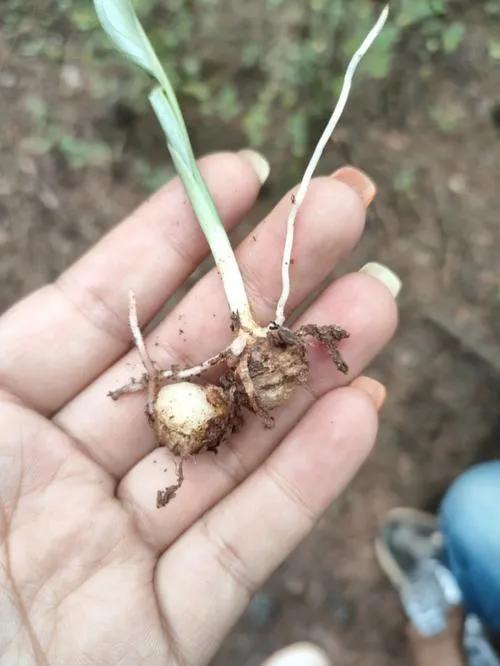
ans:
(79, 149)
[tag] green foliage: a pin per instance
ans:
(255, 123)
(289, 68)
(81, 153)
(452, 37)
(83, 17)
(297, 130)
(494, 49)
(78, 153)
(415, 11)
(223, 103)
(405, 180)
(37, 108)
(253, 68)
(492, 8)
(447, 117)
(47, 136)
(151, 178)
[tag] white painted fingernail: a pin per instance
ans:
(299, 654)
(384, 275)
(258, 163)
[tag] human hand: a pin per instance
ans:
(91, 572)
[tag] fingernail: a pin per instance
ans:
(384, 275)
(299, 654)
(258, 163)
(373, 389)
(359, 181)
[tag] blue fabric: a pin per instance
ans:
(470, 522)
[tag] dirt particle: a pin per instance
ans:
(235, 322)
(329, 336)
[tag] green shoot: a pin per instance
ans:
(120, 22)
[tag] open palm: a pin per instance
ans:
(91, 572)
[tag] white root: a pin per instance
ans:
(152, 376)
(137, 385)
(148, 364)
(318, 151)
(196, 370)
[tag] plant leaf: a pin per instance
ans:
(119, 20)
(170, 125)
(452, 37)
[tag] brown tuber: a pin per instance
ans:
(269, 370)
(188, 418)
(276, 370)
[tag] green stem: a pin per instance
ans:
(119, 20)
(206, 212)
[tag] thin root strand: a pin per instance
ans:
(149, 366)
(299, 196)
(134, 386)
(329, 336)
(151, 381)
(164, 496)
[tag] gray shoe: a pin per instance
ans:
(409, 549)
(476, 644)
